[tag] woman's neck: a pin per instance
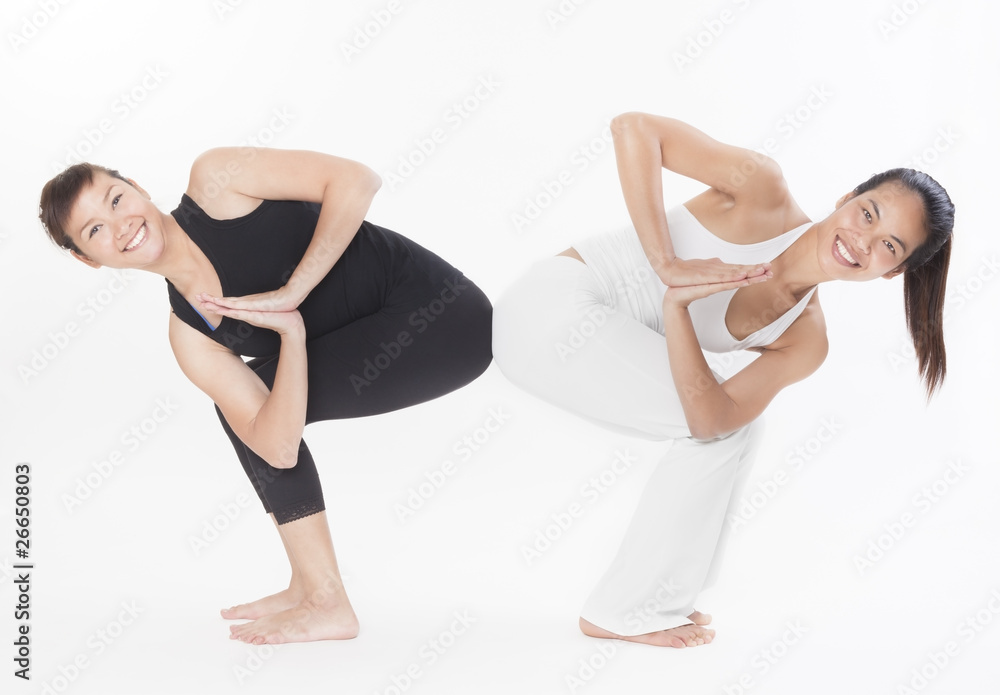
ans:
(797, 268)
(180, 262)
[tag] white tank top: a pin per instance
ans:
(629, 283)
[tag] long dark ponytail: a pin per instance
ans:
(926, 273)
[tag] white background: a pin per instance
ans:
(215, 77)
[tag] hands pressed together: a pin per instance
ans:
(688, 280)
(276, 310)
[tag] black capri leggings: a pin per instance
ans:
(431, 336)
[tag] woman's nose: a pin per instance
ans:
(124, 229)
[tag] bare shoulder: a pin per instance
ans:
(210, 182)
(191, 347)
(805, 341)
(761, 208)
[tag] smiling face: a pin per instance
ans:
(115, 224)
(872, 234)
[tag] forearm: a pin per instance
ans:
(640, 170)
(706, 404)
(276, 430)
(342, 211)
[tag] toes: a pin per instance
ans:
(676, 641)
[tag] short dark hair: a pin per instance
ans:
(59, 195)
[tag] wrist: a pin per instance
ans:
(294, 331)
(674, 307)
(662, 266)
(290, 294)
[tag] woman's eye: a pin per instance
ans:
(93, 230)
(868, 215)
(114, 203)
(890, 246)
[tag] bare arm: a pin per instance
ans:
(715, 410)
(344, 189)
(644, 146)
(270, 422)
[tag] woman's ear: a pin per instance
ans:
(901, 268)
(84, 259)
(139, 188)
(844, 198)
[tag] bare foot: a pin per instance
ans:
(699, 618)
(283, 600)
(308, 621)
(677, 637)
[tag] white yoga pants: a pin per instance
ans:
(561, 335)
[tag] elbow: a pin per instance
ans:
(368, 180)
(709, 427)
(703, 430)
(283, 457)
(374, 181)
(626, 124)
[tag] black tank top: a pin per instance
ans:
(258, 252)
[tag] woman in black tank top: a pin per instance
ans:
(268, 256)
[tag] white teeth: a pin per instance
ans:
(845, 253)
(138, 238)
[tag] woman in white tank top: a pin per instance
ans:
(613, 330)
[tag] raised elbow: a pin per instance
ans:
(626, 124)
(367, 180)
(374, 181)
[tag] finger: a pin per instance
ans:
(218, 301)
(749, 271)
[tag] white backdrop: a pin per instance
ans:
(142, 529)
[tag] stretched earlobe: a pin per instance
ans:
(85, 259)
